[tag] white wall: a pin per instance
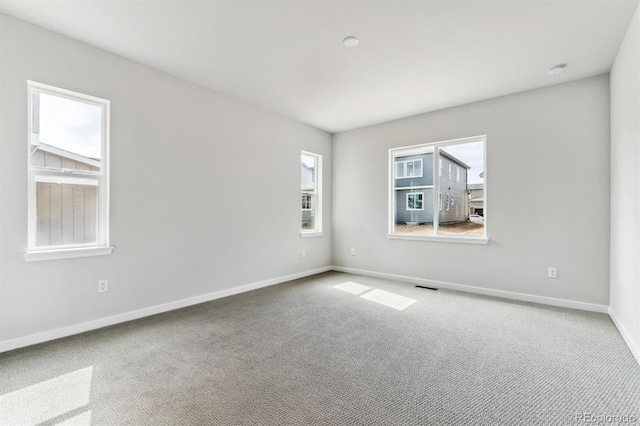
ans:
(548, 195)
(625, 184)
(205, 191)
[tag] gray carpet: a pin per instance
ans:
(306, 353)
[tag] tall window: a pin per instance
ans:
(68, 170)
(311, 180)
(436, 203)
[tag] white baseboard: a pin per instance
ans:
(480, 290)
(145, 312)
(635, 350)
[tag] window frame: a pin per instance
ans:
(317, 209)
(435, 147)
(64, 176)
(405, 164)
(421, 194)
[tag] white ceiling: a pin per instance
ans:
(288, 56)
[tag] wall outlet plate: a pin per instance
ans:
(103, 286)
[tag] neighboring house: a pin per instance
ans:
(413, 185)
(66, 211)
(308, 191)
(476, 198)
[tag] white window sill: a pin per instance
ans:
(440, 238)
(305, 234)
(35, 256)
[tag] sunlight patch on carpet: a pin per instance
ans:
(47, 400)
(392, 300)
(351, 287)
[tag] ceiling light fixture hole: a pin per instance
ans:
(351, 41)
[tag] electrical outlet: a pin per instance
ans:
(103, 286)
(553, 272)
(353, 252)
(304, 253)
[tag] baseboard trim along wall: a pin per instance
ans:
(523, 297)
(145, 312)
(635, 350)
(153, 310)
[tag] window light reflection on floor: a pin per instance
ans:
(82, 419)
(353, 288)
(391, 300)
(48, 400)
(385, 298)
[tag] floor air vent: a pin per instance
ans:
(428, 288)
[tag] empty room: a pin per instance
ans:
(319, 212)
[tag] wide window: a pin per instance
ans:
(311, 180)
(409, 168)
(436, 203)
(68, 173)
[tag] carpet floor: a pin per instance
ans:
(369, 352)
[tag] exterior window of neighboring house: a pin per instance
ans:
(435, 203)
(306, 202)
(68, 174)
(311, 183)
(408, 168)
(415, 201)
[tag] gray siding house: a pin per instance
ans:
(66, 213)
(413, 184)
(476, 198)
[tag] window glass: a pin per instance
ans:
(458, 209)
(311, 165)
(68, 203)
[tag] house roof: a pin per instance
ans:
(455, 159)
(475, 186)
(94, 162)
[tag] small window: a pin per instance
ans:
(68, 170)
(457, 174)
(448, 202)
(449, 177)
(306, 201)
(440, 200)
(415, 201)
(311, 179)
